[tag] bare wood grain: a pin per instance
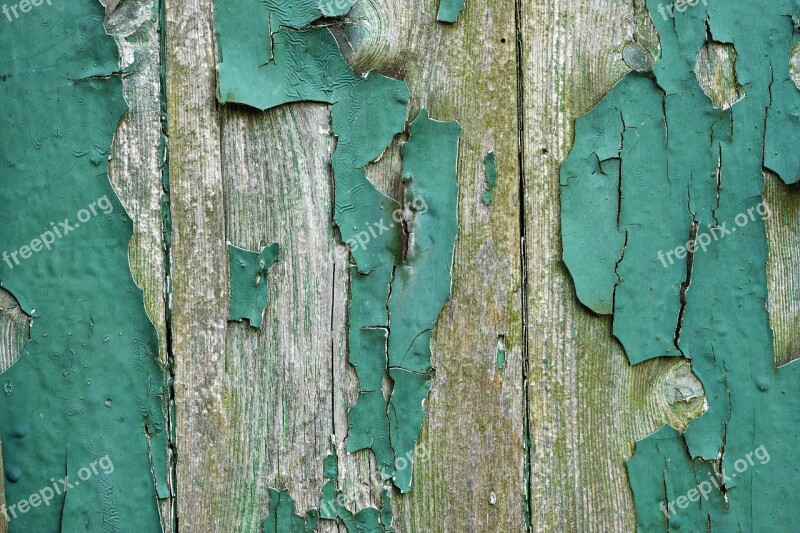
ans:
(135, 169)
(587, 405)
(199, 268)
(278, 189)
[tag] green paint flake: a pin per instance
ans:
(282, 519)
(300, 13)
(88, 390)
(390, 270)
(491, 177)
(653, 166)
(501, 353)
(248, 271)
(422, 282)
(266, 70)
(450, 10)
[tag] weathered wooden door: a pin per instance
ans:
(533, 408)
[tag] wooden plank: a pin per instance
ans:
(199, 268)
(587, 405)
(474, 479)
(135, 173)
(135, 168)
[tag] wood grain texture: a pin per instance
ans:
(587, 405)
(199, 272)
(135, 168)
(257, 408)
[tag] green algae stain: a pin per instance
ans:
(88, 390)
(663, 227)
(248, 275)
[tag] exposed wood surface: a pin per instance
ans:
(135, 169)
(257, 408)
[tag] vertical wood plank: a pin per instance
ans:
(199, 268)
(473, 478)
(587, 405)
(135, 168)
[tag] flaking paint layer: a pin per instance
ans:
(401, 253)
(655, 165)
(248, 273)
(88, 388)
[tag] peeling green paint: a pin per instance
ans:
(266, 70)
(490, 167)
(501, 353)
(401, 254)
(88, 388)
(450, 10)
(281, 517)
(422, 282)
(248, 273)
(655, 166)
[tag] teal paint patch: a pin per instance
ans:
(422, 283)
(266, 70)
(490, 167)
(300, 13)
(365, 122)
(501, 353)
(391, 270)
(84, 404)
(663, 227)
(248, 273)
(450, 10)
(281, 517)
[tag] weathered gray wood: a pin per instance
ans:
(256, 409)
(587, 404)
(278, 189)
(199, 269)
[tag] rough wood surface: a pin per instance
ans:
(199, 271)
(587, 404)
(136, 164)
(257, 408)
